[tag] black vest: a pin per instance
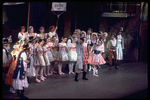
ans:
(20, 67)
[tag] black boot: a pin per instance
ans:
(76, 76)
(116, 67)
(84, 76)
(22, 95)
(18, 93)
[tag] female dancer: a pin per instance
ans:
(63, 56)
(96, 58)
(120, 46)
(41, 58)
(72, 54)
(14, 53)
(52, 32)
(20, 78)
(22, 34)
(46, 59)
(31, 70)
(85, 59)
(55, 53)
(42, 35)
(31, 33)
(50, 53)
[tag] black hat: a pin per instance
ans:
(40, 40)
(31, 38)
(26, 46)
(82, 39)
(5, 41)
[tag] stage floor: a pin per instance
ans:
(130, 81)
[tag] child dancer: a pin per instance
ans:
(41, 58)
(85, 60)
(31, 70)
(63, 56)
(50, 53)
(46, 59)
(72, 54)
(96, 58)
(55, 53)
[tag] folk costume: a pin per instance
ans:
(111, 45)
(63, 56)
(79, 65)
(96, 58)
(31, 70)
(47, 61)
(20, 78)
(22, 35)
(72, 57)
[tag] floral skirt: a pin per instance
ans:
(64, 56)
(50, 56)
(72, 56)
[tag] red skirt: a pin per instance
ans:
(9, 79)
(85, 58)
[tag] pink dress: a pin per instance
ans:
(96, 59)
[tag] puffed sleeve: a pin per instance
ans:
(19, 36)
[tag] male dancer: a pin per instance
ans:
(79, 65)
(111, 45)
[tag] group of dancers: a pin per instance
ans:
(36, 55)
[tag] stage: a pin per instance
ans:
(130, 81)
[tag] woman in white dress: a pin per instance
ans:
(120, 46)
(72, 54)
(63, 55)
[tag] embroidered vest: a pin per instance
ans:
(20, 67)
